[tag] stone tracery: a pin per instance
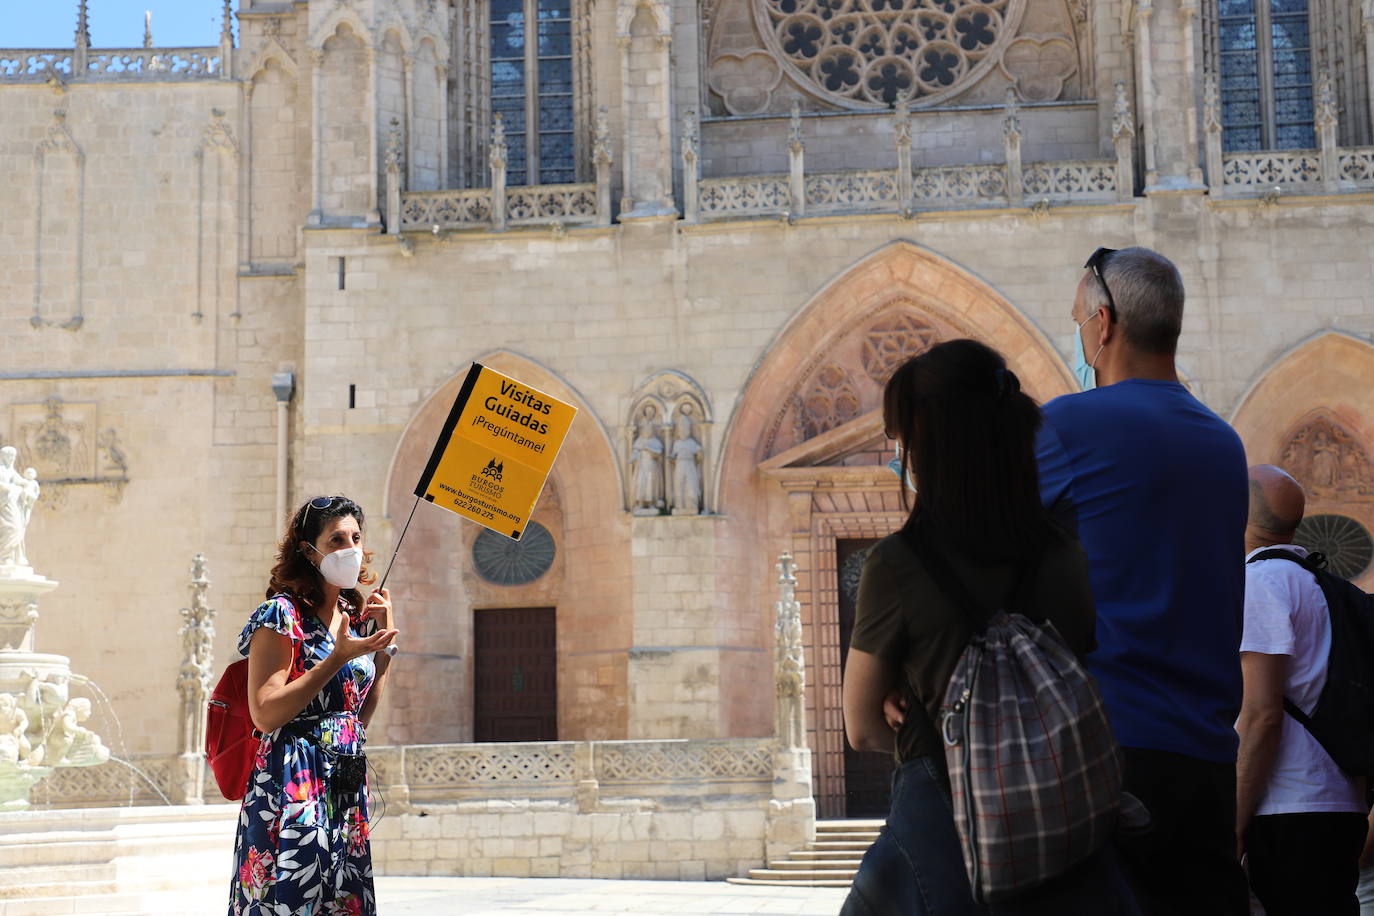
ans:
(869, 53)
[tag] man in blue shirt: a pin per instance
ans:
(1155, 485)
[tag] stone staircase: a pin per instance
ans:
(114, 860)
(829, 860)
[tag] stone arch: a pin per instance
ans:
(900, 272)
(393, 24)
(271, 51)
(1317, 397)
(593, 597)
(329, 26)
(803, 470)
(657, 9)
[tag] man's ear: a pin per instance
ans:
(1110, 328)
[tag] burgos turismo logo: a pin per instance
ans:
(493, 470)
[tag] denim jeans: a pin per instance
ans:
(916, 868)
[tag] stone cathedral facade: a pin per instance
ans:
(238, 276)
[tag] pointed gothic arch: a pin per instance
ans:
(594, 599)
(1311, 412)
(802, 468)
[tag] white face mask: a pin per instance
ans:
(342, 567)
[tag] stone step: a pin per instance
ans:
(833, 845)
(852, 837)
(824, 855)
(771, 882)
(790, 864)
(848, 826)
(774, 874)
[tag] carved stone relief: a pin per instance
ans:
(830, 400)
(1328, 461)
(891, 342)
(64, 443)
(869, 54)
(668, 444)
(847, 376)
(1039, 66)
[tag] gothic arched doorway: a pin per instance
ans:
(805, 455)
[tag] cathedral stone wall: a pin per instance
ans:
(172, 243)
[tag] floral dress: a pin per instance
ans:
(302, 846)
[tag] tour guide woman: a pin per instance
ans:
(965, 439)
(313, 685)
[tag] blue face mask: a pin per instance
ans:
(1087, 375)
(895, 466)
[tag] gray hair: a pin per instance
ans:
(1148, 292)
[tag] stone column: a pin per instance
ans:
(646, 99)
(1189, 11)
(691, 166)
(393, 179)
(193, 684)
(796, 159)
(901, 135)
(441, 74)
(408, 138)
(497, 160)
(1011, 147)
(602, 158)
(1326, 121)
(374, 88)
(1123, 135)
(1146, 83)
(316, 217)
(1369, 53)
(792, 811)
(226, 44)
(1211, 127)
(83, 40)
(246, 182)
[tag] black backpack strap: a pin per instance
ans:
(1313, 562)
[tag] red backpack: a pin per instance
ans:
(231, 741)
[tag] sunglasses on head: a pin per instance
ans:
(319, 504)
(1098, 263)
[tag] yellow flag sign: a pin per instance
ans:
(496, 451)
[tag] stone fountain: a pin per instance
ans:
(40, 724)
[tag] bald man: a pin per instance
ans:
(1300, 819)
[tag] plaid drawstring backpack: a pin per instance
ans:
(1035, 772)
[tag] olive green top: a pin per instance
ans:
(906, 620)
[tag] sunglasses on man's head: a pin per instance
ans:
(1098, 263)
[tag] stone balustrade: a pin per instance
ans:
(109, 64)
(905, 189)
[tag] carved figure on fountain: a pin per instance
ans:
(67, 743)
(16, 506)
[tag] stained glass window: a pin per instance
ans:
(532, 88)
(1266, 74)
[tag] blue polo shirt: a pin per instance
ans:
(1156, 486)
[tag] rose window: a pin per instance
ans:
(869, 53)
(1346, 543)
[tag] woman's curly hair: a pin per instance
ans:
(294, 574)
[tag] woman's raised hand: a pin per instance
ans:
(350, 647)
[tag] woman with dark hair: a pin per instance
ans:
(965, 440)
(313, 686)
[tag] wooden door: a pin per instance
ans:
(867, 774)
(515, 675)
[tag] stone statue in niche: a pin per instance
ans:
(646, 458)
(686, 464)
(18, 493)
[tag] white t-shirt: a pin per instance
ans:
(1286, 614)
